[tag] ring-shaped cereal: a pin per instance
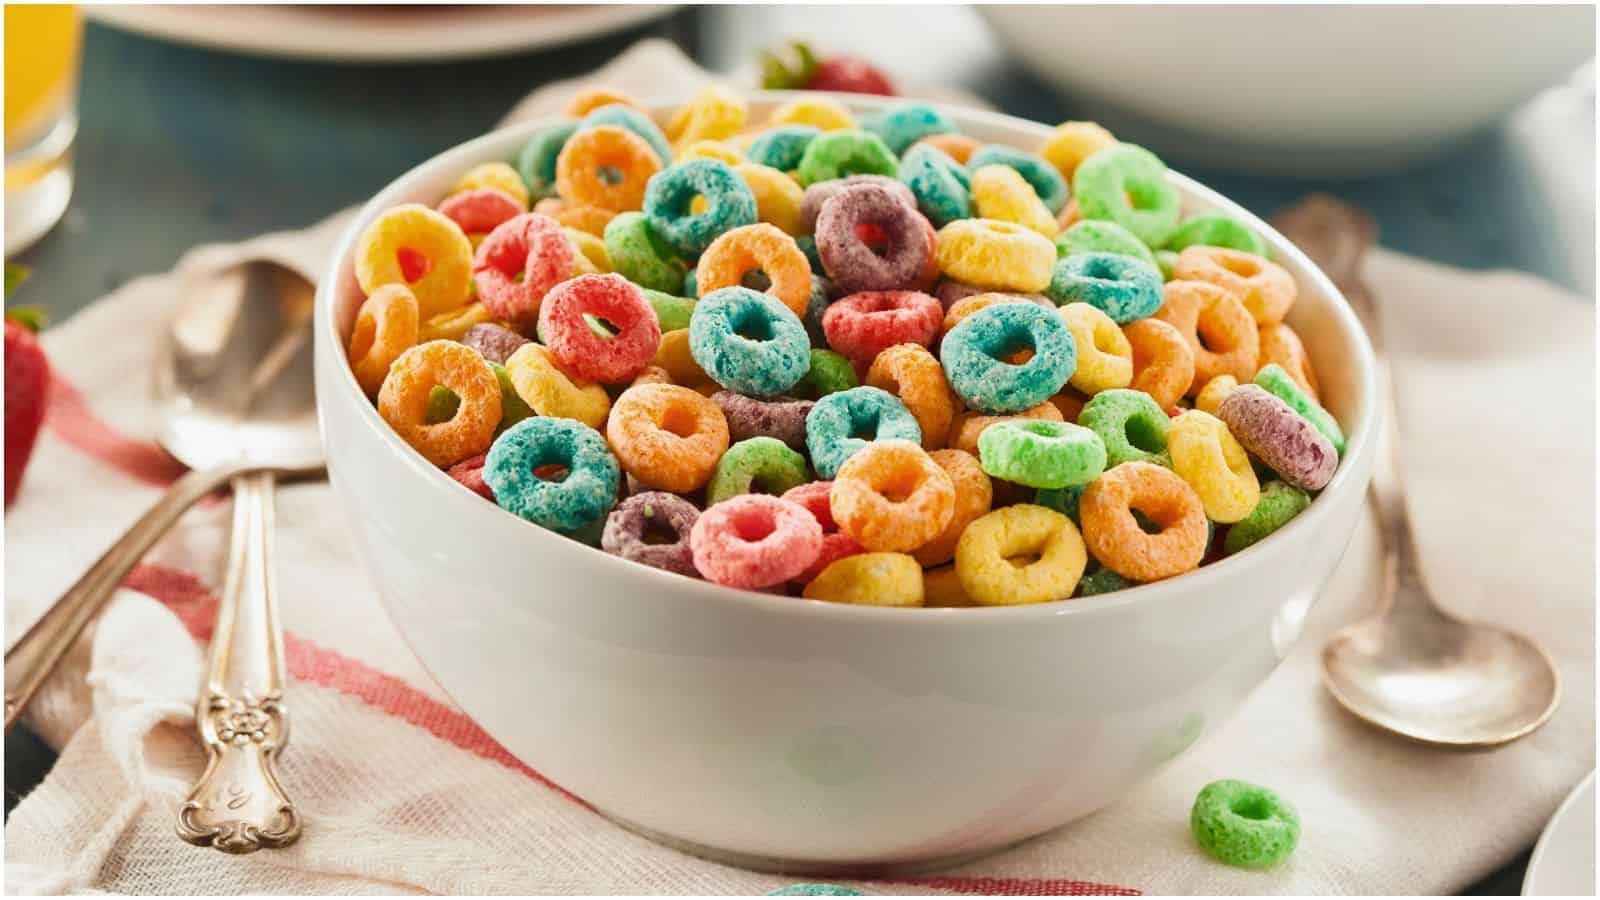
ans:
(974, 357)
(836, 154)
(756, 465)
(974, 496)
(708, 150)
(818, 112)
(1216, 230)
(1105, 359)
(749, 342)
(532, 246)
(958, 147)
(1123, 287)
(816, 497)
(729, 204)
(968, 427)
(481, 210)
(1280, 437)
(813, 197)
(1220, 332)
(1116, 538)
(1214, 392)
(590, 99)
(1001, 193)
(635, 332)
(1128, 185)
(780, 418)
(911, 373)
(677, 359)
(496, 342)
(778, 197)
(1205, 454)
(865, 324)
(711, 114)
(497, 176)
(852, 263)
(1265, 288)
(421, 249)
(1046, 182)
(997, 256)
(668, 437)
(782, 147)
(763, 247)
(1279, 503)
(891, 496)
(549, 391)
(589, 219)
(1102, 236)
(1280, 344)
(755, 541)
(984, 556)
(941, 185)
(386, 326)
(904, 125)
(635, 121)
(1131, 425)
(638, 253)
(1072, 143)
(830, 373)
(1244, 825)
(578, 501)
(870, 579)
(1280, 384)
(1042, 454)
(835, 425)
(1163, 364)
(607, 167)
(647, 515)
(536, 162)
(403, 401)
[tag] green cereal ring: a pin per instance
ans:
(513, 408)
(837, 154)
(1105, 182)
(830, 373)
(760, 464)
(640, 255)
(1276, 380)
(1279, 503)
(672, 311)
(536, 163)
(1132, 425)
(1244, 824)
(815, 890)
(442, 405)
(1166, 261)
(1103, 581)
(1041, 454)
(1062, 500)
(1216, 230)
(1100, 236)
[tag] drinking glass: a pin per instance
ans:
(41, 111)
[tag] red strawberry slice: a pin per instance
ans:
(850, 74)
(27, 384)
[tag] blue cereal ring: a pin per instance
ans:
(569, 506)
(781, 148)
(536, 162)
(1124, 288)
(941, 185)
(1045, 179)
(905, 125)
(634, 121)
(973, 350)
(691, 284)
(729, 203)
(749, 342)
(832, 425)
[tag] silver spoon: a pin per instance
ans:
(233, 393)
(1411, 667)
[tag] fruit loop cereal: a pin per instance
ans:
(1244, 825)
(864, 360)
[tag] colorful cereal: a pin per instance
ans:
(845, 421)
(891, 496)
(984, 557)
(569, 504)
(668, 437)
(1116, 538)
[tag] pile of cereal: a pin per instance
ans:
(866, 360)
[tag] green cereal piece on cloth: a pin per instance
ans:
(1243, 824)
(1276, 380)
(815, 890)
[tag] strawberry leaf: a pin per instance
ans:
(29, 317)
(15, 275)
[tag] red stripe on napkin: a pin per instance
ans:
(70, 418)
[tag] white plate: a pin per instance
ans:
(1563, 860)
(385, 33)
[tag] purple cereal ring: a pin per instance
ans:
(950, 291)
(1282, 438)
(495, 342)
(816, 195)
(850, 262)
(783, 418)
(635, 517)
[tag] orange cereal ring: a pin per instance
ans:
(1163, 364)
(891, 496)
(974, 497)
(652, 375)
(668, 437)
(911, 373)
(960, 147)
(1279, 344)
(1069, 216)
(420, 248)
(710, 115)
(759, 246)
(673, 355)
(1220, 332)
(966, 427)
(942, 587)
(385, 327)
(1114, 535)
(497, 175)
(1264, 287)
(403, 401)
(607, 167)
(1070, 403)
(590, 99)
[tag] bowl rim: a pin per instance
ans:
(1351, 474)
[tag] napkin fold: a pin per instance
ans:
(402, 793)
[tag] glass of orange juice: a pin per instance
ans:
(41, 63)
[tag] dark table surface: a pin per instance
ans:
(181, 145)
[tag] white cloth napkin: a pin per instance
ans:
(402, 793)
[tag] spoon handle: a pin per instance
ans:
(238, 806)
(41, 648)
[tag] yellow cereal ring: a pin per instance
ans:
(1206, 454)
(777, 197)
(551, 392)
(942, 587)
(999, 256)
(497, 175)
(1117, 539)
(674, 357)
(818, 112)
(718, 150)
(1219, 330)
(403, 401)
(1000, 192)
(966, 427)
(590, 99)
(453, 325)
(711, 115)
(891, 496)
(1105, 358)
(1072, 143)
(1215, 391)
(386, 327)
(591, 249)
(1264, 287)
(1163, 364)
(421, 249)
(1279, 344)
(911, 373)
(974, 497)
(869, 579)
(984, 556)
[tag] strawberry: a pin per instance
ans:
(850, 74)
(27, 382)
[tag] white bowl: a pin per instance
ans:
(1301, 90)
(783, 733)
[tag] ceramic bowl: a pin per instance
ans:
(781, 733)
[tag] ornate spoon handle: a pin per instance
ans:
(238, 805)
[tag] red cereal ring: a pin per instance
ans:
(532, 245)
(836, 545)
(582, 352)
(755, 541)
(862, 325)
(481, 210)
